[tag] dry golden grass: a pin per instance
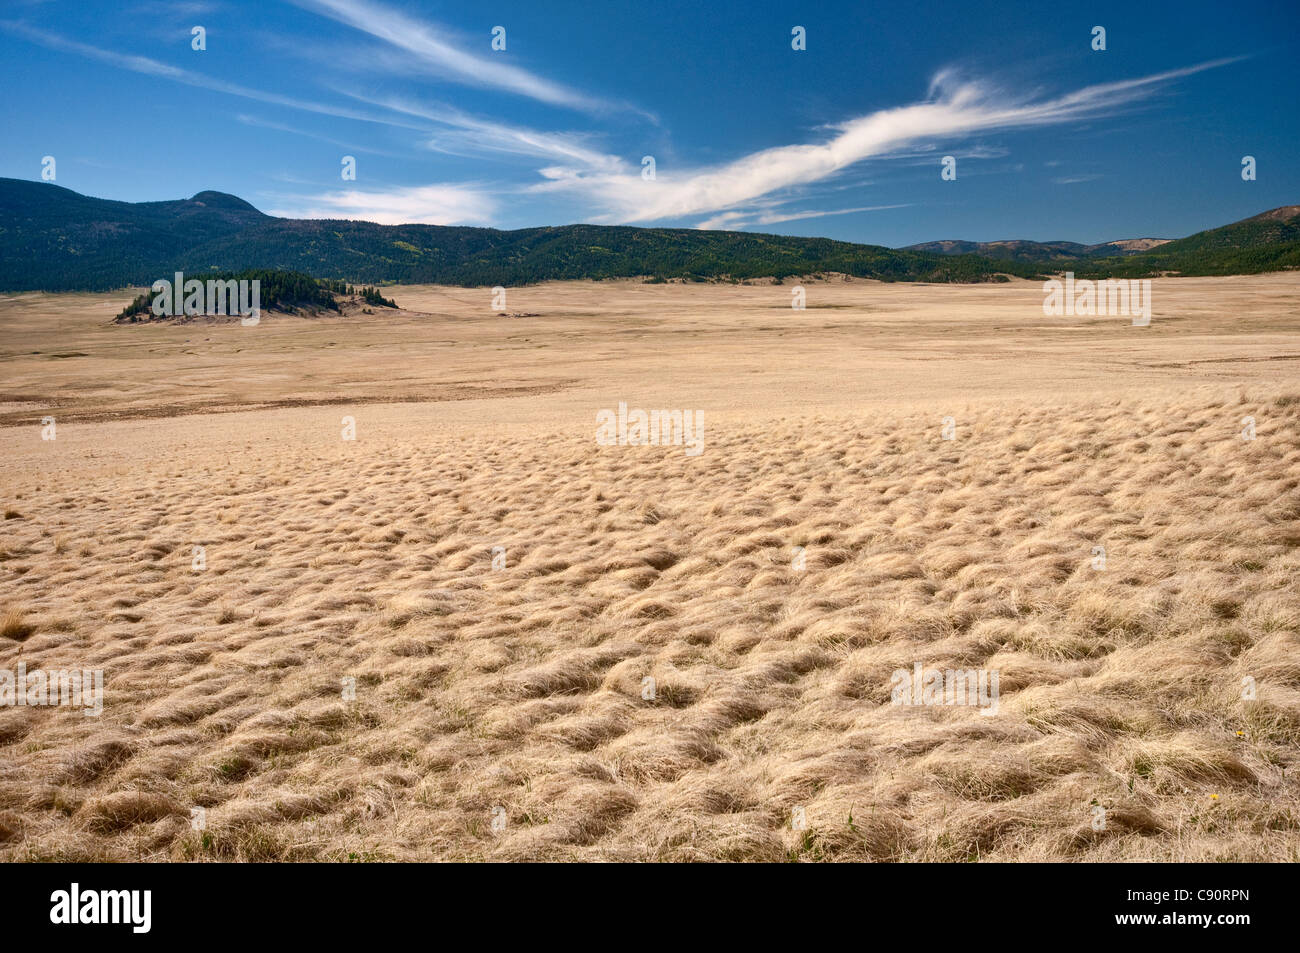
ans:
(521, 688)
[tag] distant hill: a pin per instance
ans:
(1014, 250)
(57, 240)
(54, 239)
(1023, 250)
(1125, 246)
(1269, 241)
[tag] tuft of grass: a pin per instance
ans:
(14, 625)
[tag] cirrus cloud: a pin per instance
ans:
(957, 109)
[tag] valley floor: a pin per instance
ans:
(346, 675)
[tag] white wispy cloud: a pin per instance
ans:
(467, 135)
(260, 123)
(427, 42)
(774, 218)
(454, 203)
(957, 109)
(142, 64)
(743, 219)
(462, 134)
(174, 8)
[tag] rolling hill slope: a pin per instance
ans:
(1269, 241)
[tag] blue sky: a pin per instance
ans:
(1053, 140)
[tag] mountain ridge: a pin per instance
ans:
(55, 239)
(1022, 249)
